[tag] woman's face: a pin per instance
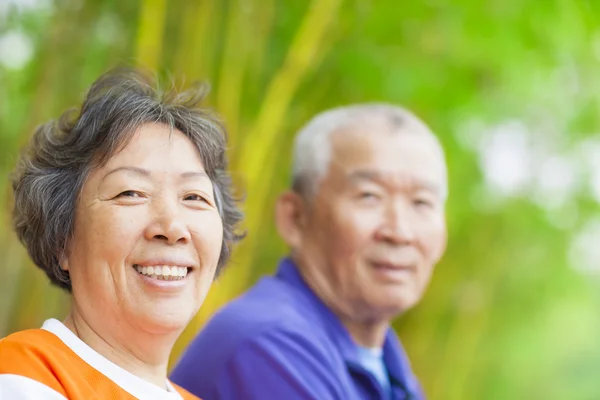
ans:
(147, 236)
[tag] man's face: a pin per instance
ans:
(375, 229)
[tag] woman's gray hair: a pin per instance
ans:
(54, 166)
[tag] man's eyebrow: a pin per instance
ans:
(380, 178)
(365, 175)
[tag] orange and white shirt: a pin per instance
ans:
(53, 363)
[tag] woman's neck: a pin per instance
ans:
(144, 355)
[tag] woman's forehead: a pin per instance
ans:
(153, 143)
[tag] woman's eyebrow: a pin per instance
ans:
(146, 173)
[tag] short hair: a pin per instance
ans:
(52, 169)
(312, 145)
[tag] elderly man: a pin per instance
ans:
(365, 223)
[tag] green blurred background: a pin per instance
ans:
(512, 87)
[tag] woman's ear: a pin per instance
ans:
(63, 259)
(290, 218)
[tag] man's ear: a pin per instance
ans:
(290, 218)
(441, 250)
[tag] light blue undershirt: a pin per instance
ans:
(371, 359)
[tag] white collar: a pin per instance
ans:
(129, 382)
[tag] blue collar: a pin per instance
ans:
(394, 356)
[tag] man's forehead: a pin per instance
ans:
(398, 159)
(379, 131)
(356, 147)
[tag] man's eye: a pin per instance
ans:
(368, 195)
(423, 203)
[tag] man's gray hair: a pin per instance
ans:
(54, 166)
(312, 146)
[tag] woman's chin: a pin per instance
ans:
(163, 323)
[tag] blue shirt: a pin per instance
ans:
(372, 360)
(280, 341)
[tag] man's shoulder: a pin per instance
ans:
(269, 311)
(269, 305)
(273, 328)
(252, 338)
(238, 338)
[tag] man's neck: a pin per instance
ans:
(366, 334)
(142, 354)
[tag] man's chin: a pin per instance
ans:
(393, 306)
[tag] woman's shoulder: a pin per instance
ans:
(26, 337)
(29, 355)
(38, 358)
(20, 349)
(26, 346)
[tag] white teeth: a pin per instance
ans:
(163, 272)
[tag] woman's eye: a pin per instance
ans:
(129, 193)
(195, 197)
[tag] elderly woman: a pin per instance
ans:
(126, 205)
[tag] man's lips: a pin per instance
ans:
(394, 266)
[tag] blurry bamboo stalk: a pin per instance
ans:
(12, 261)
(262, 16)
(246, 38)
(150, 33)
(196, 40)
(467, 329)
(463, 342)
(231, 74)
(464, 337)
